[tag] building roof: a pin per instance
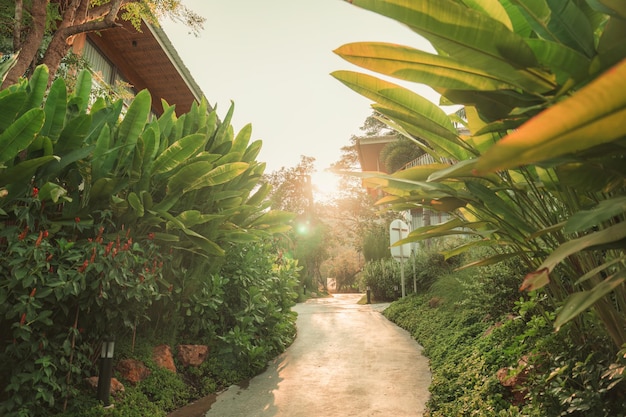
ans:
(148, 60)
(369, 148)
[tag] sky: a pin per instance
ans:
(273, 59)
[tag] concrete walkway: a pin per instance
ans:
(348, 360)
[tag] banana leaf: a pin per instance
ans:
(19, 135)
(593, 116)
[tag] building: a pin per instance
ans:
(369, 149)
(143, 59)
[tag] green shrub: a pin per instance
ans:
(165, 389)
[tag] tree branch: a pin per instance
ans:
(99, 12)
(91, 24)
(17, 28)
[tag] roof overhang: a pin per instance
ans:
(368, 149)
(148, 60)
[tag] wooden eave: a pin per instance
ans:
(368, 149)
(148, 60)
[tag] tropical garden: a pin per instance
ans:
(532, 171)
(153, 231)
(166, 230)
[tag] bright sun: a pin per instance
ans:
(325, 185)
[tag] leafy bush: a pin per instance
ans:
(383, 277)
(165, 389)
(74, 174)
(557, 373)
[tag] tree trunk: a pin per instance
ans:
(76, 18)
(31, 44)
(59, 46)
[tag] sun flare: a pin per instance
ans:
(325, 185)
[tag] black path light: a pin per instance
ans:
(106, 370)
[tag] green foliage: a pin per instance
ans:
(255, 319)
(471, 349)
(165, 389)
(132, 403)
(397, 154)
(376, 243)
(383, 277)
(535, 189)
(118, 225)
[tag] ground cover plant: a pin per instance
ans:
(151, 229)
(493, 351)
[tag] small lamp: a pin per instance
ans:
(106, 370)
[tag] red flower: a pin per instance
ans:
(35, 191)
(33, 292)
(39, 239)
(23, 319)
(22, 235)
(77, 219)
(45, 233)
(83, 266)
(151, 236)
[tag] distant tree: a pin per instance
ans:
(291, 187)
(344, 267)
(42, 31)
(397, 154)
(309, 239)
(376, 243)
(374, 126)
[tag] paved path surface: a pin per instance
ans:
(348, 360)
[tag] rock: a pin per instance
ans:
(515, 379)
(132, 370)
(116, 386)
(192, 355)
(162, 356)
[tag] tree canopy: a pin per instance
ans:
(43, 31)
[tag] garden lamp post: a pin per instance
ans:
(106, 370)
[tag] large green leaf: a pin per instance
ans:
(272, 218)
(240, 144)
(178, 152)
(20, 134)
(206, 245)
(10, 106)
(55, 109)
(201, 174)
(593, 116)
(190, 218)
(578, 302)
(103, 157)
(24, 171)
(540, 277)
(560, 59)
(605, 210)
(410, 64)
(425, 116)
(444, 143)
(537, 14)
(132, 125)
(571, 27)
(37, 86)
(468, 36)
(218, 175)
(82, 91)
(493, 9)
